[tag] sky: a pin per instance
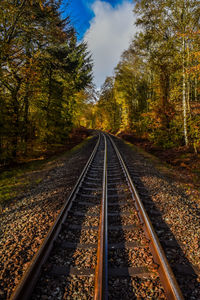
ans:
(107, 26)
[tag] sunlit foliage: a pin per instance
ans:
(156, 83)
(42, 68)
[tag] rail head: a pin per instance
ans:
(101, 272)
(166, 274)
(28, 281)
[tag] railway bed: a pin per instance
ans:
(103, 244)
(169, 209)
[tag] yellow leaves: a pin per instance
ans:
(39, 2)
(41, 5)
(195, 69)
(182, 35)
(196, 54)
(188, 34)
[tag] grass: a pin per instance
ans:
(16, 180)
(10, 182)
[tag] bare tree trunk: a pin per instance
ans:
(26, 98)
(16, 125)
(188, 95)
(184, 97)
(195, 89)
(188, 81)
(48, 104)
(26, 119)
(164, 101)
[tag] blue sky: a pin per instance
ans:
(108, 27)
(81, 13)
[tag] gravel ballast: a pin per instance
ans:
(26, 220)
(174, 211)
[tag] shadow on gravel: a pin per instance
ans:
(194, 211)
(182, 268)
(119, 287)
(185, 273)
(70, 253)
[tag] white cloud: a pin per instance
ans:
(109, 35)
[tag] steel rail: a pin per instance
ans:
(167, 277)
(28, 281)
(101, 272)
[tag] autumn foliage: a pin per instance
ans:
(156, 83)
(42, 69)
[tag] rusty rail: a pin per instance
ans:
(101, 273)
(167, 277)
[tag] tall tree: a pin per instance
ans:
(42, 67)
(109, 113)
(164, 27)
(132, 88)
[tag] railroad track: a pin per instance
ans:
(102, 246)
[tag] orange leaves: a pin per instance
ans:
(194, 37)
(189, 34)
(196, 54)
(40, 2)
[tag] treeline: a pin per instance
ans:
(155, 90)
(43, 70)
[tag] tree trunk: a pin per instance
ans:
(48, 104)
(26, 110)
(195, 89)
(188, 95)
(188, 81)
(184, 97)
(27, 87)
(164, 85)
(16, 125)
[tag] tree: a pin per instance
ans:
(131, 87)
(164, 28)
(108, 108)
(42, 67)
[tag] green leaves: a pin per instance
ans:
(156, 82)
(42, 67)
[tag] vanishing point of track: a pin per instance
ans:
(102, 245)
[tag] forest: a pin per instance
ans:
(46, 87)
(43, 71)
(154, 92)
